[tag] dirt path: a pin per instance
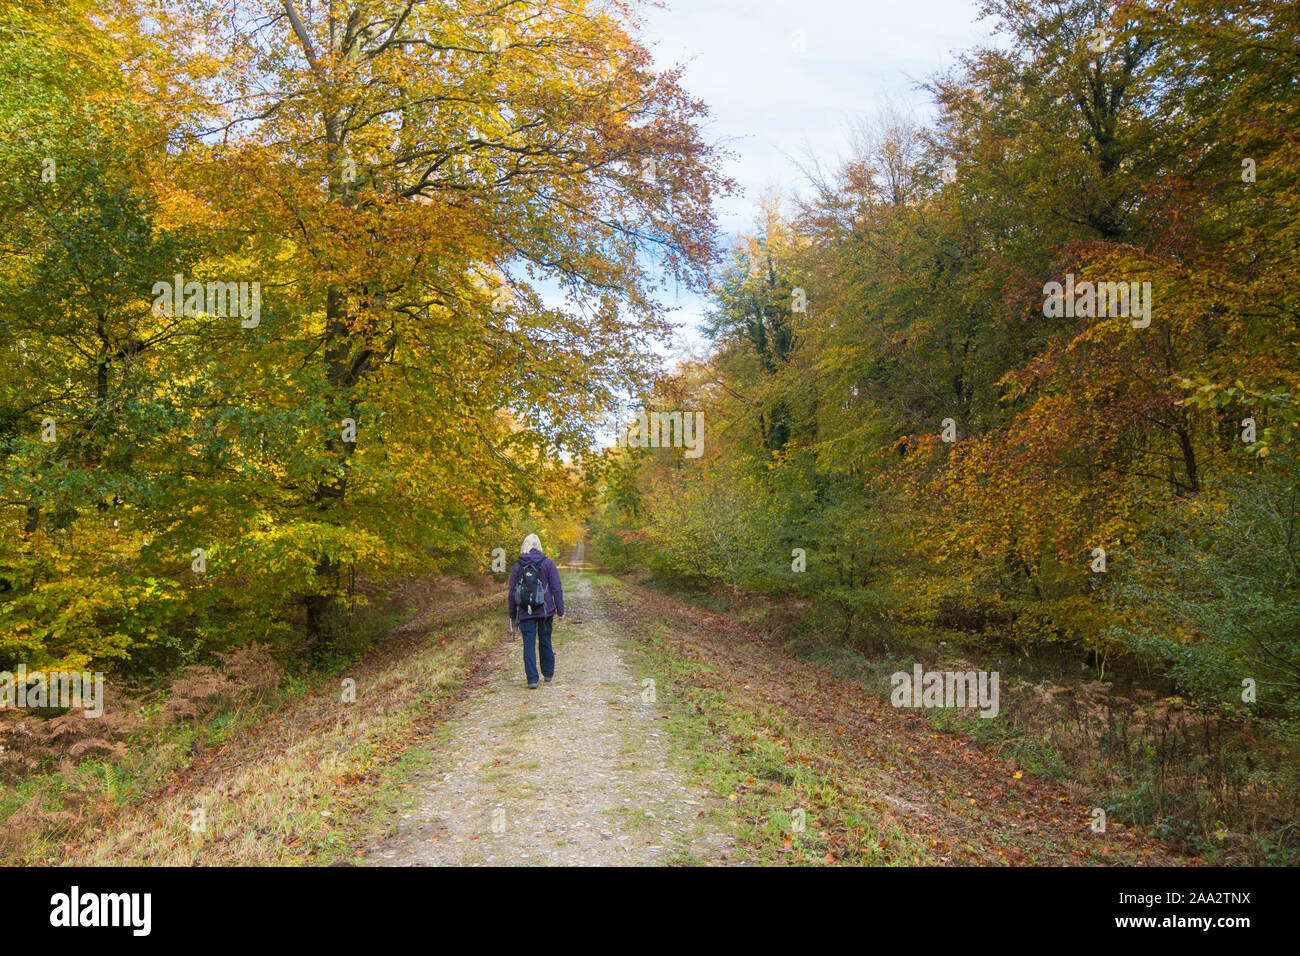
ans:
(573, 773)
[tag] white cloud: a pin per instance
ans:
(773, 104)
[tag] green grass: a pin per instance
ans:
(762, 770)
(292, 798)
(632, 818)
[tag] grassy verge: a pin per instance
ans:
(789, 797)
(286, 779)
(1220, 787)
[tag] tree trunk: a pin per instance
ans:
(325, 622)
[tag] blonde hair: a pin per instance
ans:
(531, 542)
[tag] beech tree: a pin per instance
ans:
(458, 219)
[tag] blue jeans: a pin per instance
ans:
(539, 628)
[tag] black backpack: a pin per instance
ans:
(531, 590)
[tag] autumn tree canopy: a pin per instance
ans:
(901, 397)
(446, 226)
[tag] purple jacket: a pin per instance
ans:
(554, 600)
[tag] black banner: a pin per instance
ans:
(301, 905)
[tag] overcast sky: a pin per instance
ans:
(770, 103)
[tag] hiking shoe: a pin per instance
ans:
(533, 686)
(548, 680)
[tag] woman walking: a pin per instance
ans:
(533, 598)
